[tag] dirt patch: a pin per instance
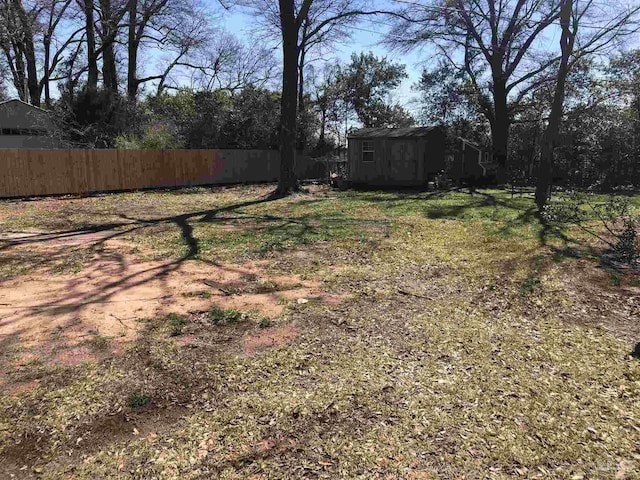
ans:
(146, 423)
(604, 298)
(269, 337)
(57, 239)
(74, 318)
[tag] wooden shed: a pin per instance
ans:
(396, 156)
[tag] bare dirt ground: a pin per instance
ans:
(603, 300)
(59, 319)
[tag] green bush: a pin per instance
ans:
(155, 137)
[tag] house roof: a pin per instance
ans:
(408, 132)
(17, 100)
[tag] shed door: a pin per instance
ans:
(403, 161)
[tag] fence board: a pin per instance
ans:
(54, 172)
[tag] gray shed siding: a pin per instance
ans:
(25, 126)
(398, 161)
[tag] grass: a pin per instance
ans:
(615, 279)
(265, 323)
(98, 342)
(464, 349)
(138, 400)
(217, 315)
(199, 294)
(176, 324)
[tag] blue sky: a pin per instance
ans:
(365, 37)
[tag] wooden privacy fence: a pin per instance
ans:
(51, 172)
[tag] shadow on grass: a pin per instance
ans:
(279, 231)
(509, 214)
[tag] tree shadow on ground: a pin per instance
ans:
(481, 204)
(45, 250)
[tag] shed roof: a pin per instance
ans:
(20, 102)
(383, 132)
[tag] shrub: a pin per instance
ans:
(620, 223)
(155, 137)
(529, 285)
(265, 323)
(99, 343)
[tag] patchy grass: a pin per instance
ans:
(176, 324)
(138, 400)
(199, 294)
(217, 315)
(99, 343)
(265, 323)
(474, 342)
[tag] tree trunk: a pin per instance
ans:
(323, 127)
(545, 173)
(92, 57)
(109, 32)
(47, 73)
(28, 50)
(301, 104)
(109, 73)
(32, 72)
(500, 128)
(132, 46)
(19, 76)
(288, 182)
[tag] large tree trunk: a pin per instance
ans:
(500, 128)
(109, 72)
(32, 73)
(288, 182)
(545, 173)
(109, 32)
(28, 50)
(92, 57)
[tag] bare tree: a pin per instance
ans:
(500, 46)
(88, 8)
(172, 26)
(179, 43)
(225, 63)
(55, 49)
(608, 31)
(326, 23)
(111, 14)
(495, 43)
(567, 42)
(300, 26)
(32, 47)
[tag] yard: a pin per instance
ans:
(218, 334)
